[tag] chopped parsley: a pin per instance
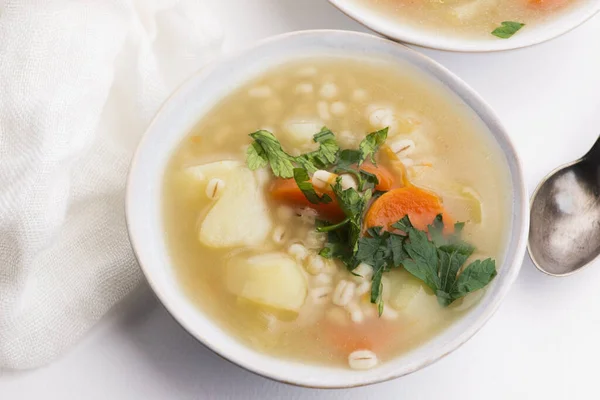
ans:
(266, 150)
(303, 181)
(436, 258)
(507, 29)
(325, 156)
(370, 145)
(436, 261)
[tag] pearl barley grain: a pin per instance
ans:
(329, 90)
(404, 147)
(356, 314)
(279, 234)
(359, 95)
(348, 182)
(362, 359)
(363, 288)
(298, 251)
(315, 265)
(343, 293)
(214, 188)
(323, 279)
(364, 272)
(338, 108)
(321, 295)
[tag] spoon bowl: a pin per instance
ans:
(564, 233)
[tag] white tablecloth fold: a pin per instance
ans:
(79, 82)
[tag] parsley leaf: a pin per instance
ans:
(507, 29)
(256, 157)
(325, 156)
(423, 262)
(342, 240)
(438, 261)
(266, 149)
(404, 224)
(383, 251)
(396, 244)
(348, 157)
(303, 181)
(365, 179)
(353, 205)
(377, 290)
(474, 277)
(370, 145)
(337, 245)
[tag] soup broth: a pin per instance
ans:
(471, 18)
(250, 260)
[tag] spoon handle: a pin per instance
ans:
(594, 154)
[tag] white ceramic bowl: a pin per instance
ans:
(422, 36)
(193, 99)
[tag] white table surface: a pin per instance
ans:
(543, 343)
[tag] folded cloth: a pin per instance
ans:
(79, 83)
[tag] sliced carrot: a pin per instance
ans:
(420, 205)
(398, 166)
(548, 4)
(287, 191)
(375, 336)
(385, 177)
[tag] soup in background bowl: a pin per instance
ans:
(328, 209)
(470, 25)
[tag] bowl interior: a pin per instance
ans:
(182, 111)
(422, 36)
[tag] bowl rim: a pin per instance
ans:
(511, 264)
(423, 38)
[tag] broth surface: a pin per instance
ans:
(351, 97)
(469, 18)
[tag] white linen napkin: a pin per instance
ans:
(79, 83)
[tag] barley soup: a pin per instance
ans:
(337, 232)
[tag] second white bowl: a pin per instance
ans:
(391, 27)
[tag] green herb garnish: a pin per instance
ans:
(370, 145)
(433, 257)
(507, 29)
(266, 150)
(303, 181)
(326, 155)
(439, 260)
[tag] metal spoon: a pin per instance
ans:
(564, 234)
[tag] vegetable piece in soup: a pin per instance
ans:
(337, 211)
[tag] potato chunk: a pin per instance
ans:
(274, 280)
(218, 169)
(408, 294)
(240, 216)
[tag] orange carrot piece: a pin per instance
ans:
(287, 191)
(375, 336)
(385, 177)
(548, 4)
(420, 205)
